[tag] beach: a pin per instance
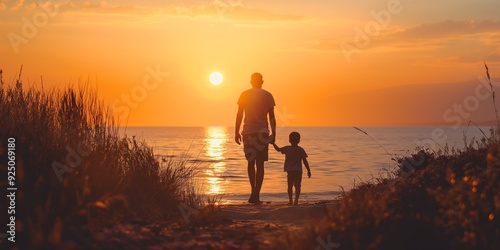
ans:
(240, 226)
(192, 125)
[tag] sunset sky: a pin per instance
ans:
(161, 53)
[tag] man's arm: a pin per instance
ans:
(276, 147)
(272, 121)
(306, 164)
(239, 119)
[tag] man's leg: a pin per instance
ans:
(251, 178)
(259, 178)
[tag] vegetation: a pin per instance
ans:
(74, 170)
(449, 199)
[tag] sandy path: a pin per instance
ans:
(244, 226)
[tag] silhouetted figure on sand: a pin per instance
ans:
(256, 105)
(294, 157)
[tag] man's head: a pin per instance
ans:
(256, 80)
(294, 138)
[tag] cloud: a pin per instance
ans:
(495, 57)
(420, 37)
(488, 58)
(17, 5)
(20, 5)
(231, 10)
(448, 29)
(467, 41)
(243, 13)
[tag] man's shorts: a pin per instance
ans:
(256, 146)
(294, 178)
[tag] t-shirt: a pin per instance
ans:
(256, 103)
(293, 157)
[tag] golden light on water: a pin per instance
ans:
(215, 147)
(213, 179)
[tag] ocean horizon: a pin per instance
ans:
(339, 157)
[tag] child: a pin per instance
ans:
(294, 156)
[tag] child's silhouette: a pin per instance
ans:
(294, 156)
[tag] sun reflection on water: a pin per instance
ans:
(215, 148)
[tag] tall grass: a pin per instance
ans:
(101, 175)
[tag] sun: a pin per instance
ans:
(216, 78)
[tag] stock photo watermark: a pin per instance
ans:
(364, 35)
(73, 159)
(45, 11)
(11, 191)
(221, 7)
(328, 244)
(187, 212)
(122, 107)
(284, 117)
(462, 111)
(458, 115)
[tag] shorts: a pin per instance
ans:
(256, 146)
(294, 178)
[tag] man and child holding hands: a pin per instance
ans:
(256, 105)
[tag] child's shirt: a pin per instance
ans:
(293, 157)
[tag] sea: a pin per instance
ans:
(340, 157)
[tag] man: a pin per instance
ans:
(256, 104)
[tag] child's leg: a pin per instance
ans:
(297, 194)
(290, 185)
(297, 184)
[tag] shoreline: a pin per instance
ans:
(279, 211)
(276, 198)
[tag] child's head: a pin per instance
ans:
(294, 138)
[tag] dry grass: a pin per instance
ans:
(102, 177)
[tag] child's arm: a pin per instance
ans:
(306, 164)
(276, 147)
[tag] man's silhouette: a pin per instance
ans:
(256, 104)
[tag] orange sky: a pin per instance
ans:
(310, 53)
